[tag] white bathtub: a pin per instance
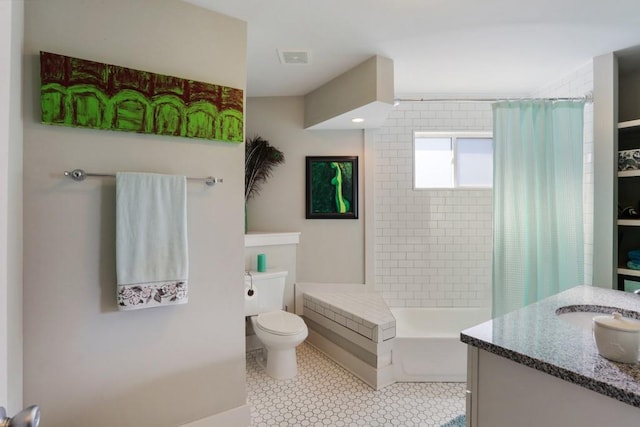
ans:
(427, 345)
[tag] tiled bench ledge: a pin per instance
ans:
(352, 326)
(365, 313)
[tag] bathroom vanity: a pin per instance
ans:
(532, 367)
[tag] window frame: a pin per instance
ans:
(454, 135)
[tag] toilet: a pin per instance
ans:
(279, 332)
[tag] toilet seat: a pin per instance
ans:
(280, 322)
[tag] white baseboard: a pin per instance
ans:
(236, 417)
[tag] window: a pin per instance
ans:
(452, 160)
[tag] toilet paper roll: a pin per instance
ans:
(247, 288)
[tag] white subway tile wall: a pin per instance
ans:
(433, 248)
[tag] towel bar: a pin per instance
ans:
(81, 175)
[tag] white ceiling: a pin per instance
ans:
(439, 47)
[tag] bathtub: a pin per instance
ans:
(427, 345)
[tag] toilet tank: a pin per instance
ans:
(268, 291)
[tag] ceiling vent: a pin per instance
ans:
(297, 57)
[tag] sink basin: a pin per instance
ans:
(580, 319)
(582, 316)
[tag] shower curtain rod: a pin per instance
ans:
(588, 97)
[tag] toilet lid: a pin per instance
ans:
(280, 323)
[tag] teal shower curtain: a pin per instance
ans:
(537, 201)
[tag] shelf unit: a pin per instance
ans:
(628, 174)
(628, 195)
(629, 222)
(628, 272)
(629, 124)
(616, 91)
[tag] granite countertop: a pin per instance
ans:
(537, 337)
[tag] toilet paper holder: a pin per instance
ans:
(250, 292)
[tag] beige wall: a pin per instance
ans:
(11, 26)
(605, 112)
(329, 250)
(85, 363)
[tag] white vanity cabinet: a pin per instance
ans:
(503, 393)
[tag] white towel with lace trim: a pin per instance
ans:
(151, 240)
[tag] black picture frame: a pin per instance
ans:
(332, 187)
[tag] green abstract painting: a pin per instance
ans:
(80, 93)
(332, 187)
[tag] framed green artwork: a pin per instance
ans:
(332, 187)
(80, 93)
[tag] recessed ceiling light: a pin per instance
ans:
(357, 120)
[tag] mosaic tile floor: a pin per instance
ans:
(324, 394)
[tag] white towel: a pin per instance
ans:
(151, 240)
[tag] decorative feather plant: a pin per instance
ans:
(260, 159)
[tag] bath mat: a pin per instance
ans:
(459, 421)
